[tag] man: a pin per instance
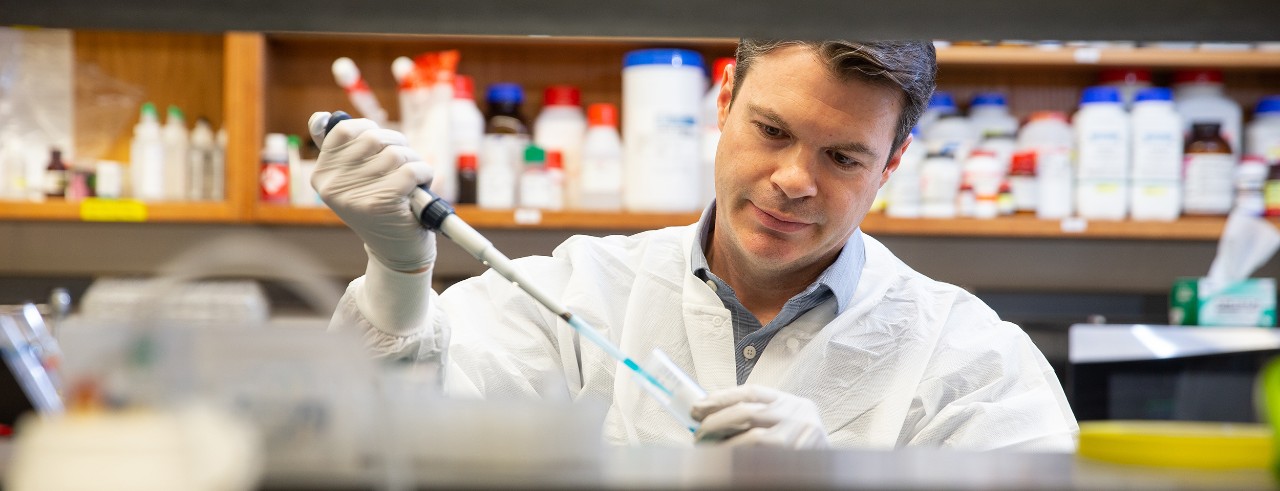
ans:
(804, 331)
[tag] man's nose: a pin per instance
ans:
(794, 175)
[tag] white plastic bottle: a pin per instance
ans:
(561, 126)
(496, 177)
(953, 133)
(939, 186)
(940, 104)
(1262, 138)
(902, 194)
(1102, 155)
(709, 124)
(990, 115)
(661, 93)
(996, 128)
(535, 188)
(13, 164)
(1156, 193)
(1022, 180)
(201, 162)
(466, 122)
(983, 172)
(1050, 137)
(1199, 98)
(176, 152)
(273, 175)
(217, 186)
(146, 157)
(601, 182)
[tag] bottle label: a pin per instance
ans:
(273, 182)
(1157, 155)
(1208, 183)
(601, 175)
(1103, 155)
(55, 182)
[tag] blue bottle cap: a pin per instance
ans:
(1100, 94)
(942, 100)
(663, 56)
(505, 93)
(1154, 94)
(1268, 104)
(988, 99)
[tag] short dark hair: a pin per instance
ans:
(910, 66)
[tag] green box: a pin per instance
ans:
(1248, 303)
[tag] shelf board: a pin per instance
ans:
(1143, 57)
(1026, 225)
(63, 211)
(1023, 225)
(500, 219)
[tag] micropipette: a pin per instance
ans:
(677, 393)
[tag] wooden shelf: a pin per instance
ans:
(1028, 226)
(1017, 226)
(500, 219)
(63, 211)
(1141, 57)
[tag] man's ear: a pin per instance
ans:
(894, 160)
(725, 98)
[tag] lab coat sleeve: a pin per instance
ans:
(988, 387)
(397, 314)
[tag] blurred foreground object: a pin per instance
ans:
(193, 448)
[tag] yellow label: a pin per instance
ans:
(113, 210)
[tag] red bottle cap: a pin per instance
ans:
(555, 159)
(1197, 77)
(717, 73)
(561, 95)
(467, 161)
(602, 114)
(463, 87)
(1048, 116)
(1125, 75)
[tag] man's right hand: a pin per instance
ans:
(365, 174)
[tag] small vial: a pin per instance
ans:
(467, 179)
(55, 176)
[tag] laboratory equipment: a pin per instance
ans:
(675, 391)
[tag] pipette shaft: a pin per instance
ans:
(436, 214)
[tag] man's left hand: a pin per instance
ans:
(753, 415)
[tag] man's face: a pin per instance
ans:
(801, 157)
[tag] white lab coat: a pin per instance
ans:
(911, 361)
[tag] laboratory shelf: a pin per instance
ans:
(1023, 225)
(500, 219)
(128, 211)
(1031, 56)
(1026, 225)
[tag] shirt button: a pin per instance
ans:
(749, 352)
(718, 321)
(712, 285)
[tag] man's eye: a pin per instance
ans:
(772, 132)
(843, 160)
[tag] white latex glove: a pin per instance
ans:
(365, 174)
(753, 415)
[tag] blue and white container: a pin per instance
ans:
(662, 91)
(1102, 155)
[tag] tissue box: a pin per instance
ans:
(1248, 303)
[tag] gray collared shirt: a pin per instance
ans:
(750, 338)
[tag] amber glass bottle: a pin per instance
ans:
(1208, 172)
